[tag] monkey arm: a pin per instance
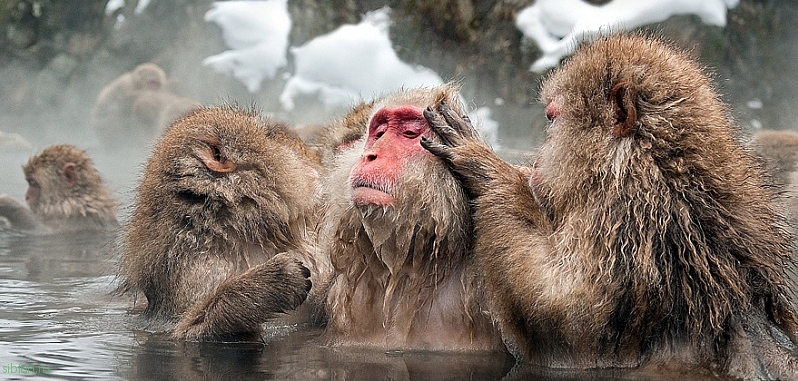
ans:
(17, 215)
(512, 230)
(471, 160)
(489, 180)
(246, 300)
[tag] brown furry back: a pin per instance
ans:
(673, 225)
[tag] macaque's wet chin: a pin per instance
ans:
(365, 196)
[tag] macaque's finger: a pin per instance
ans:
(440, 150)
(460, 123)
(449, 135)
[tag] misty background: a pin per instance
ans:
(56, 56)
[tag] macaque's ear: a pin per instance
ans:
(212, 154)
(70, 177)
(624, 105)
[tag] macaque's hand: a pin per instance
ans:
(245, 301)
(18, 215)
(461, 147)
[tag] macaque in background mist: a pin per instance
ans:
(65, 193)
(779, 151)
(137, 105)
(644, 237)
(224, 221)
(327, 140)
(398, 231)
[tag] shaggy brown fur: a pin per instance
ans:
(223, 195)
(404, 277)
(645, 235)
(331, 139)
(65, 193)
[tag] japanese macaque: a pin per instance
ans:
(225, 213)
(644, 236)
(398, 231)
(779, 151)
(65, 193)
(137, 105)
(159, 108)
(328, 140)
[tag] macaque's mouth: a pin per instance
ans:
(364, 193)
(365, 184)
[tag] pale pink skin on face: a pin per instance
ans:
(393, 138)
(552, 112)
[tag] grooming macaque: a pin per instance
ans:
(398, 232)
(65, 193)
(644, 236)
(225, 212)
(136, 106)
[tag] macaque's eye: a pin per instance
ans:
(33, 183)
(380, 130)
(411, 134)
(552, 112)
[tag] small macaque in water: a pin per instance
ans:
(65, 193)
(644, 236)
(398, 232)
(137, 105)
(225, 216)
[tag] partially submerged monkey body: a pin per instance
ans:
(397, 232)
(65, 193)
(224, 219)
(644, 234)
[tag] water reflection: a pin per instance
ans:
(299, 355)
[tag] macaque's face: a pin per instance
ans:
(33, 194)
(394, 133)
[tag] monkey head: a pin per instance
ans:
(223, 172)
(625, 119)
(149, 76)
(57, 174)
(392, 165)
